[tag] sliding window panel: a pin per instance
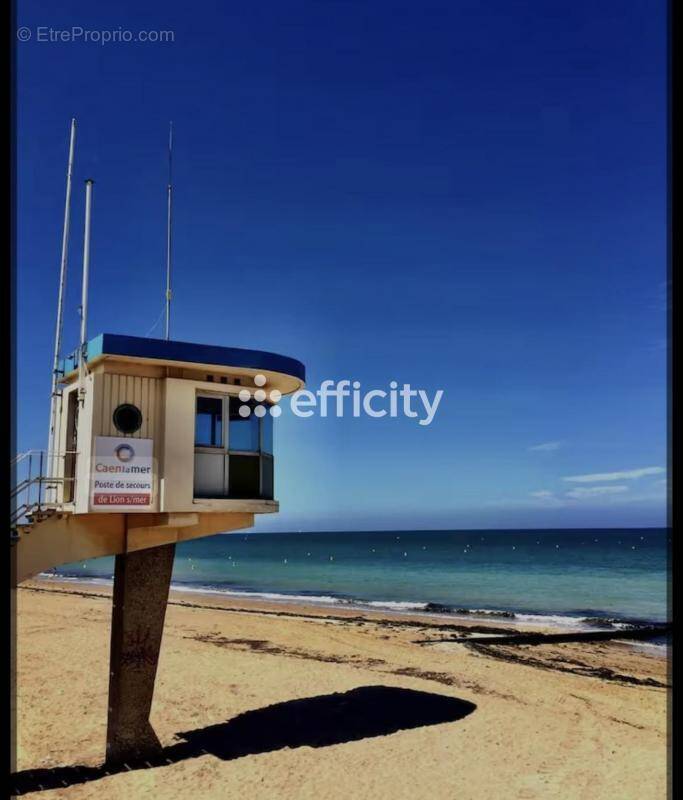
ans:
(243, 436)
(209, 474)
(209, 422)
(244, 476)
(267, 477)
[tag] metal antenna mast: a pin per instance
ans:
(60, 299)
(168, 230)
(84, 290)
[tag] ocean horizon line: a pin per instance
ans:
(541, 529)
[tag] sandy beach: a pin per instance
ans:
(272, 701)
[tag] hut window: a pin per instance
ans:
(233, 452)
(244, 431)
(244, 476)
(209, 422)
(267, 434)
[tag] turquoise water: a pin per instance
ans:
(562, 575)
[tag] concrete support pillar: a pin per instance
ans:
(141, 584)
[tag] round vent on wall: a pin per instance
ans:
(127, 418)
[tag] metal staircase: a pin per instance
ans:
(46, 531)
(37, 493)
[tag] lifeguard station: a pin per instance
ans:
(155, 445)
(152, 442)
(162, 442)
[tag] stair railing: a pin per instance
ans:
(36, 480)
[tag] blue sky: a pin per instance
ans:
(463, 196)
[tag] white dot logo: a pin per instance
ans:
(260, 395)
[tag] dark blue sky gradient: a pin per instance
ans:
(468, 196)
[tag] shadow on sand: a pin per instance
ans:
(311, 722)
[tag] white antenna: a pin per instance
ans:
(84, 291)
(168, 230)
(60, 301)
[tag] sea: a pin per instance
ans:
(585, 578)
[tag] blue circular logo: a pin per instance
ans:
(124, 452)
